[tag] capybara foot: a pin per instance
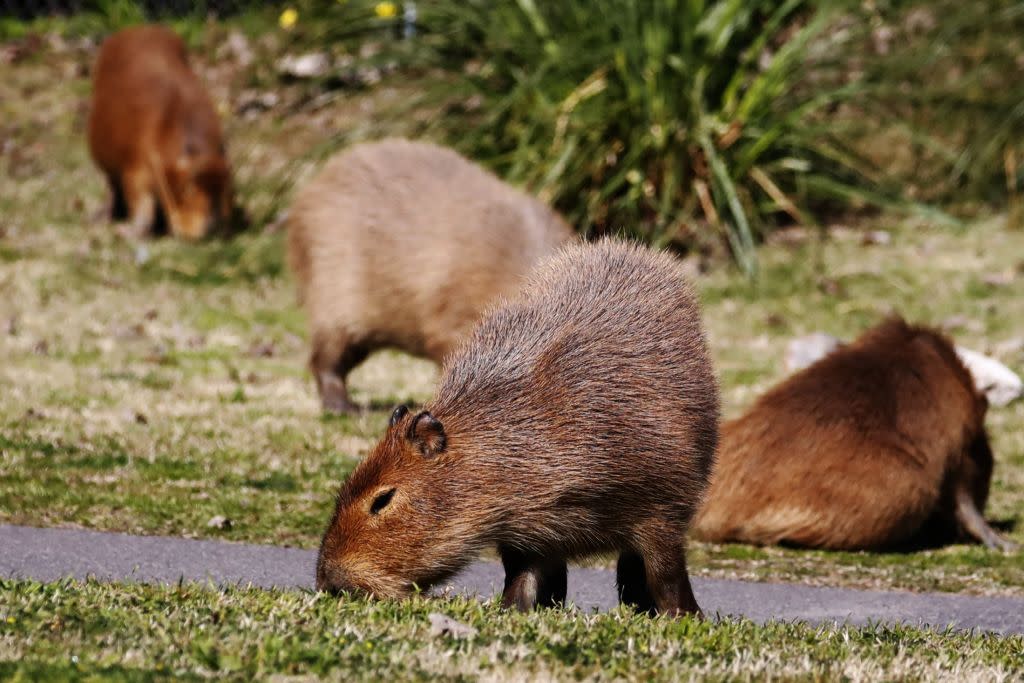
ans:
(1002, 543)
(532, 581)
(973, 523)
(668, 583)
(333, 394)
(337, 404)
(132, 232)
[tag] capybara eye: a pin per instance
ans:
(381, 501)
(400, 412)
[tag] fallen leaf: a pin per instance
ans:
(219, 522)
(441, 625)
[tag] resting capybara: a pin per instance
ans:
(580, 417)
(153, 131)
(402, 244)
(879, 445)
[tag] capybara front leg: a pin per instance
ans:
(631, 581)
(532, 581)
(972, 523)
(140, 203)
(669, 582)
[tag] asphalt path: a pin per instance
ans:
(52, 554)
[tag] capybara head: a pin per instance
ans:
(395, 522)
(200, 199)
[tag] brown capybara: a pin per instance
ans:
(154, 133)
(402, 244)
(579, 417)
(879, 445)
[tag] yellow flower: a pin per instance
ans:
(288, 18)
(386, 10)
(11, 620)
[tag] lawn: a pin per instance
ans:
(140, 632)
(152, 387)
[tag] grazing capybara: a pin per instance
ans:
(402, 244)
(879, 445)
(154, 133)
(579, 417)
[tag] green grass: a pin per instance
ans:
(131, 632)
(140, 397)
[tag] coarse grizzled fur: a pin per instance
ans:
(580, 417)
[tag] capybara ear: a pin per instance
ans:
(400, 412)
(427, 433)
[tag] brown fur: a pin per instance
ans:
(580, 417)
(153, 131)
(402, 244)
(880, 444)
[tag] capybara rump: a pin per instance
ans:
(879, 445)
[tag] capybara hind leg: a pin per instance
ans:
(972, 523)
(669, 582)
(330, 363)
(532, 581)
(631, 581)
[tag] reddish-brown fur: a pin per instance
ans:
(154, 133)
(403, 244)
(880, 444)
(580, 417)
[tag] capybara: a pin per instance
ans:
(579, 417)
(879, 445)
(154, 133)
(402, 244)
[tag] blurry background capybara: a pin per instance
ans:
(879, 445)
(581, 416)
(402, 244)
(155, 134)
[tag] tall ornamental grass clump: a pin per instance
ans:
(950, 75)
(660, 118)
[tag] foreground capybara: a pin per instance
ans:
(154, 133)
(402, 244)
(580, 417)
(879, 445)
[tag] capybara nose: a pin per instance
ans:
(332, 580)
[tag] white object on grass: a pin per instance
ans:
(1000, 384)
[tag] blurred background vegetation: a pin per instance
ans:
(687, 123)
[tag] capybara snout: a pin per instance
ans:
(379, 540)
(200, 200)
